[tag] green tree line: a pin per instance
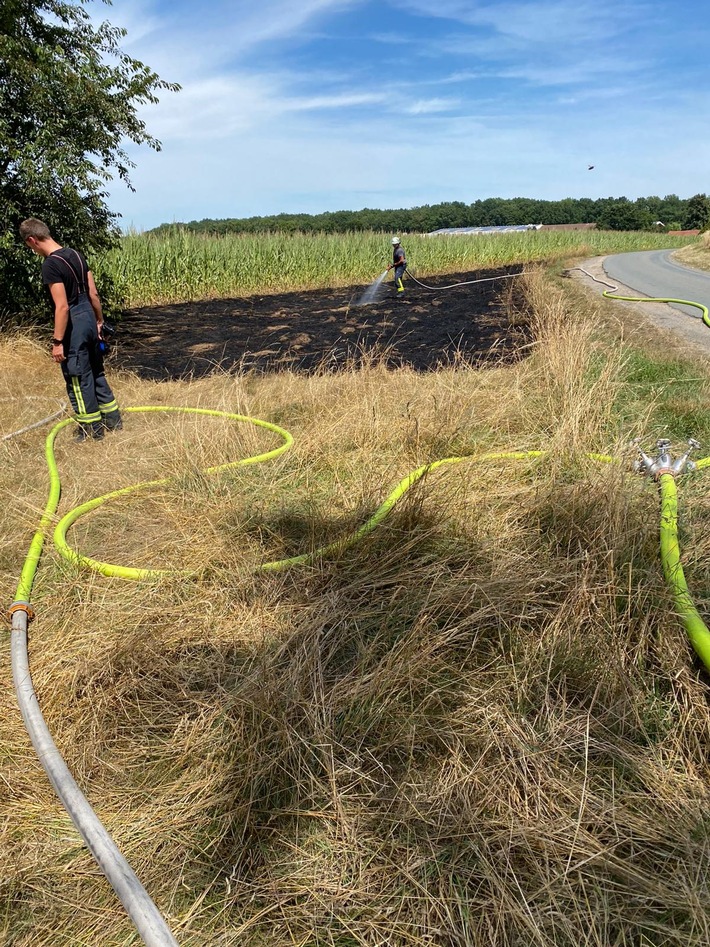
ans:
(609, 213)
(69, 106)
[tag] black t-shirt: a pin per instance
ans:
(69, 267)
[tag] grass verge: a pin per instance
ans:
(696, 254)
(481, 725)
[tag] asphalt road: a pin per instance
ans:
(654, 273)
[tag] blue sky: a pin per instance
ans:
(314, 105)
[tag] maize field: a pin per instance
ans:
(181, 266)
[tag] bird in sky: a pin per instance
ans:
(590, 168)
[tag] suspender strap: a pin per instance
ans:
(82, 284)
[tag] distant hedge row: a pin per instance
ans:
(609, 213)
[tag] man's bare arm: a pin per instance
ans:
(61, 318)
(95, 300)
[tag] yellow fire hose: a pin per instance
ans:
(144, 914)
(612, 294)
(694, 625)
(609, 294)
(670, 555)
(670, 552)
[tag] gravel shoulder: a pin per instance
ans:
(691, 331)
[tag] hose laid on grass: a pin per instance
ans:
(127, 572)
(698, 632)
(694, 625)
(143, 912)
(146, 918)
(36, 424)
(145, 915)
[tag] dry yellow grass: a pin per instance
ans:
(696, 254)
(480, 726)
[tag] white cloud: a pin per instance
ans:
(393, 39)
(218, 32)
(464, 75)
(579, 72)
(212, 108)
(337, 101)
(270, 19)
(430, 106)
(547, 22)
(220, 107)
(266, 123)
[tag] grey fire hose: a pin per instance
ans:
(147, 919)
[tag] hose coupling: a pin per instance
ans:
(21, 606)
(664, 463)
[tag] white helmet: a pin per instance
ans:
(395, 241)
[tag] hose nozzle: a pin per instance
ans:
(683, 463)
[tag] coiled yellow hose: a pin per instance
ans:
(146, 917)
(696, 628)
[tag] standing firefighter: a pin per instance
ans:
(399, 265)
(78, 320)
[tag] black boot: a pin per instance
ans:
(89, 432)
(113, 421)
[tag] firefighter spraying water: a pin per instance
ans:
(370, 294)
(399, 265)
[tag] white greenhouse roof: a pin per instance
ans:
(512, 228)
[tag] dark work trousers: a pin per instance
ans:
(83, 369)
(398, 277)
